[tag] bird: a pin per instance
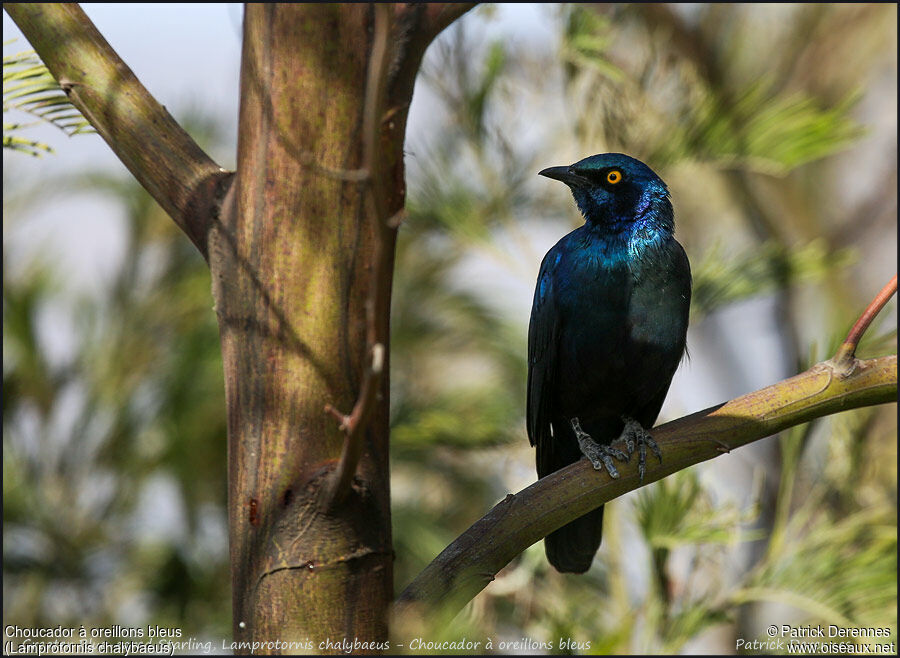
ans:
(608, 329)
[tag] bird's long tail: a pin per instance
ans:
(571, 549)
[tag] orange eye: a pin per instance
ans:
(614, 176)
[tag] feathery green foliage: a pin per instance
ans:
(679, 511)
(720, 280)
(29, 88)
(673, 113)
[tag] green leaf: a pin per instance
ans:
(772, 134)
(30, 88)
(29, 147)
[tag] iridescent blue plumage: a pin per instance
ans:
(607, 331)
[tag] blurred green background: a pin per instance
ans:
(775, 128)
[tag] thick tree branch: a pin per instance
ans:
(467, 566)
(176, 172)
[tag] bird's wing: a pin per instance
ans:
(543, 333)
(662, 302)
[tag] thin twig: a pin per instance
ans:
(844, 358)
(377, 307)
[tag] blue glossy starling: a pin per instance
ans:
(608, 329)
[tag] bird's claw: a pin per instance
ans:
(636, 437)
(600, 456)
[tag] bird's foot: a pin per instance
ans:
(600, 456)
(637, 438)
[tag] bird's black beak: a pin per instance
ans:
(564, 174)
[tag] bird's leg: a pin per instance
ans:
(634, 435)
(599, 455)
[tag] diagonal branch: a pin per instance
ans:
(469, 564)
(418, 24)
(176, 172)
(438, 15)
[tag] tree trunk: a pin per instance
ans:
(292, 261)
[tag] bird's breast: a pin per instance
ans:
(618, 324)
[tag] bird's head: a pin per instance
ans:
(615, 191)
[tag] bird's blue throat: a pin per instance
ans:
(614, 236)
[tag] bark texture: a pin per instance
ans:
(291, 259)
